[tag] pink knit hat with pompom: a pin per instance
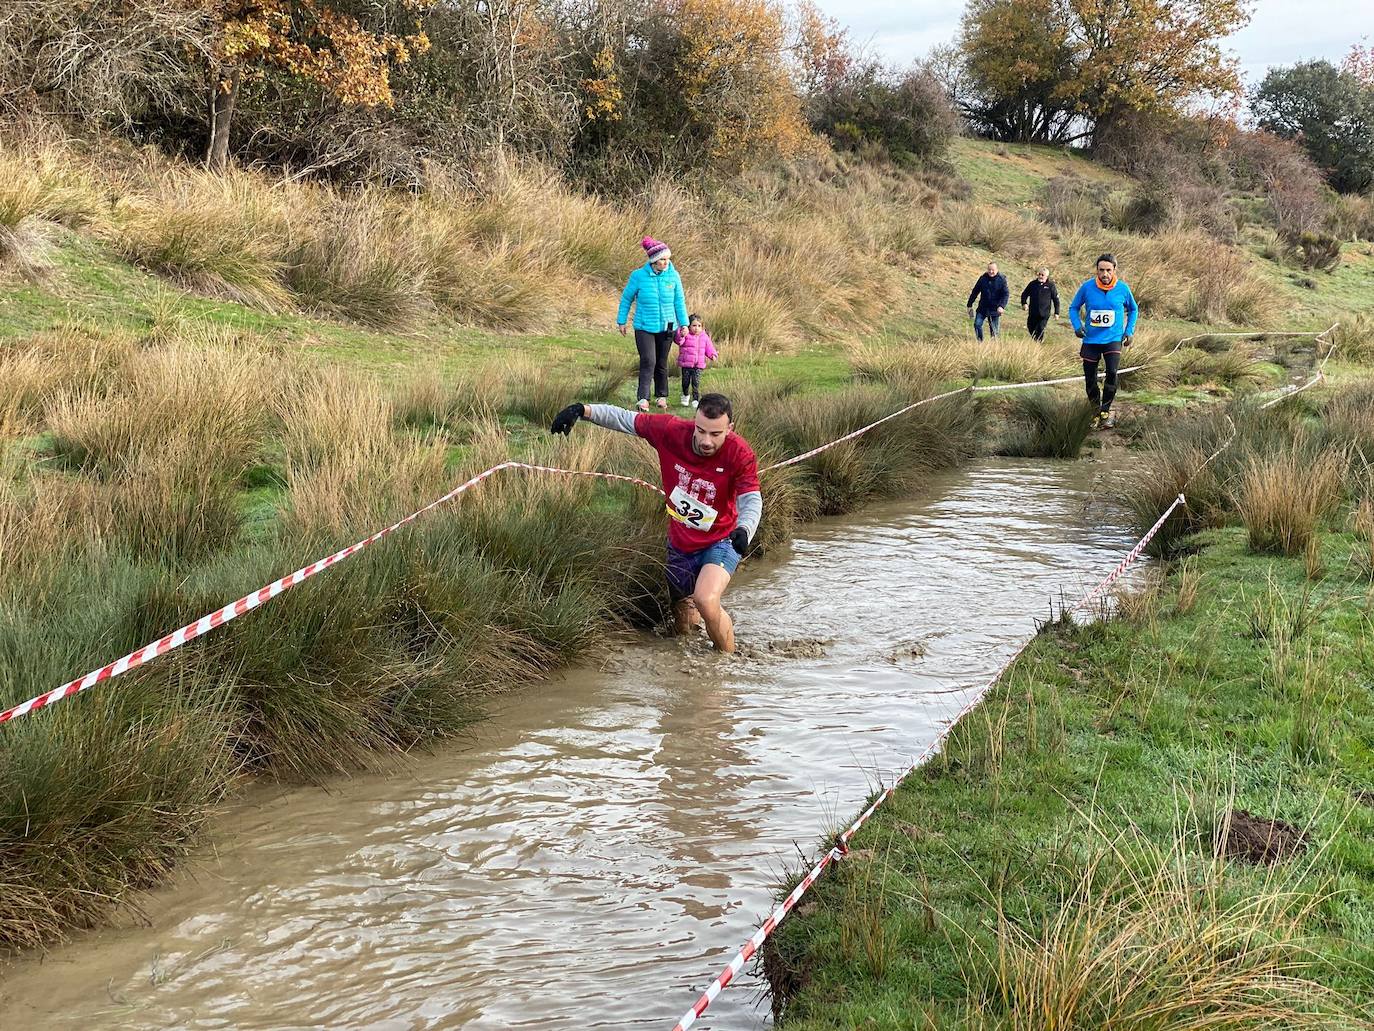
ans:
(655, 249)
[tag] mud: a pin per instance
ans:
(1258, 840)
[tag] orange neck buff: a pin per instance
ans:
(1104, 289)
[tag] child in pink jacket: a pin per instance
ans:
(694, 350)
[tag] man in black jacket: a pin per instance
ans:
(1037, 298)
(993, 295)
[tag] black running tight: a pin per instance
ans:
(1108, 392)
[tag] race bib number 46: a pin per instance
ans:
(1102, 318)
(690, 511)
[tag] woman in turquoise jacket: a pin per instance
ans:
(655, 289)
(1105, 332)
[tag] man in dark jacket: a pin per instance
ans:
(1037, 298)
(992, 295)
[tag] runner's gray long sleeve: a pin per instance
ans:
(610, 417)
(750, 509)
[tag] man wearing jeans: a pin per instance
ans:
(711, 480)
(992, 295)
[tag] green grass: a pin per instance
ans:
(1013, 174)
(1118, 747)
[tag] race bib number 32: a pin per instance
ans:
(1102, 318)
(690, 511)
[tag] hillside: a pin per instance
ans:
(207, 382)
(896, 219)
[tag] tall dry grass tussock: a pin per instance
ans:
(998, 230)
(931, 361)
(1283, 497)
(1155, 935)
(1022, 361)
(220, 235)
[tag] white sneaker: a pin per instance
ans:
(642, 404)
(686, 400)
(695, 403)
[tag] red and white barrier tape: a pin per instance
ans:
(762, 933)
(755, 942)
(248, 602)
(1131, 557)
(251, 601)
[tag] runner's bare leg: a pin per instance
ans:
(711, 584)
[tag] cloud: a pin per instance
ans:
(1281, 32)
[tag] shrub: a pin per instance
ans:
(1043, 424)
(1283, 497)
(996, 229)
(1071, 203)
(1351, 217)
(1321, 251)
(907, 117)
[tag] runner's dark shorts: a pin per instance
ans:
(683, 566)
(1096, 352)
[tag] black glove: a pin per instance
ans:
(739, 540)
(564, 420)
(1127, 340)
(1078, 333)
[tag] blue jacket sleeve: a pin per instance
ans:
(977, 289)
(1074, 318)
(1132, 310)
(679, 299)
(626, 296)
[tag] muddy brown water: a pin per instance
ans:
(598, 849)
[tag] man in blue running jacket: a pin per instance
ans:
(1107, 328)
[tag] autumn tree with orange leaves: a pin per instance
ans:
(316, 42)
(1061, 71)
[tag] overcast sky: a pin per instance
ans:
(1281, 31)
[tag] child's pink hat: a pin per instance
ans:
(655, 249)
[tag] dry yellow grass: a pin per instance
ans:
(1162, 942)
(999, 231)
(916, 361)
(1282, 498)
(216, 400)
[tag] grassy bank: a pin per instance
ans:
(1162, 819)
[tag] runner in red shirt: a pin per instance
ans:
(711, 479)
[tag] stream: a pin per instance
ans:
(594, 852)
